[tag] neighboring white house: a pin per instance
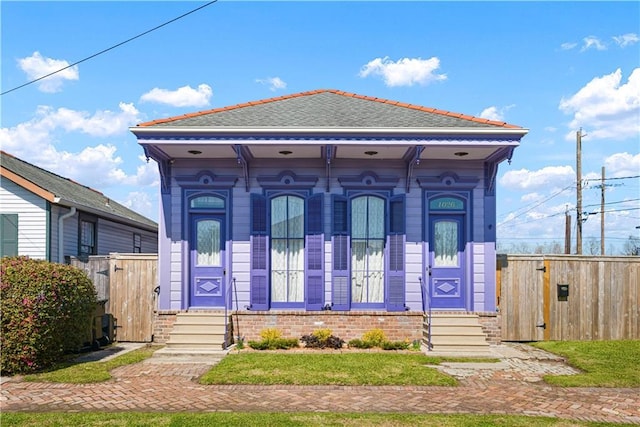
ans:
(39, 209)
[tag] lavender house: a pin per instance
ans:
(327, 208)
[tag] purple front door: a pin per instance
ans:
(447, 287)
(207, 259)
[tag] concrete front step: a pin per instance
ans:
(458, 329)
(458, 340)
(197, 331)
(191, 355)
(456, 333)
(452, 319)
(181, 328)
(196, 318)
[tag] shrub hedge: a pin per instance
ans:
(45, 310)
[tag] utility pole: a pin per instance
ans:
(579, 192)
(602, 215)
(567, 232)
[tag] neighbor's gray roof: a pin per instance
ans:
(326, 109)
(70, 192)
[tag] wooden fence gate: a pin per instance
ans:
(568, 297)
(128, 283)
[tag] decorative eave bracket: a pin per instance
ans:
(491, 168)
(164, 166)
(328, 153)
(243, 161)
(412, 159)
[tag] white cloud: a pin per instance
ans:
(36, 66)
(274, 83)
(568, 45)
(185, 96)
(37, 134)
(495, 113)
(404, 72)
(531, 197)
(550, 177)
(592, 42)
(626, 39)
(605, 108)
(35, 142)
(141, 202)
(622, 164)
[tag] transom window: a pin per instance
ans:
(367, 249)
(287, 249)
(207, 202)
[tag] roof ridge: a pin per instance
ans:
(336, 92)
(50, 173)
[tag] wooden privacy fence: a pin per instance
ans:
(568, 297)
(128, 283)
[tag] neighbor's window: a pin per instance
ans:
(87, 238)
(137, 243)
(8, 235)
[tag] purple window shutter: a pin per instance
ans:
(259, 254)
(340, 291)
(315, 253)
(396, 245)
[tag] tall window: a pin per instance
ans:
(367, 249)
(87, 238)
(8, 235)
(287, 249)
(137, 243)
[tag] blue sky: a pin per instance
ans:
(551, 67)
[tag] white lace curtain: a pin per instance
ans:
(367, 249)
(446, 244)
(208, 232)
(287, 249)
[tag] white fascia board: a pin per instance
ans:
(380, 142)
(105, 215)
(204, 131)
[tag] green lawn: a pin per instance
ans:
(90, 372)
(377, 368)
(111, 419)
(604, 363)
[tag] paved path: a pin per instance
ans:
(512, 386)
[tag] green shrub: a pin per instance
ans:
(322, 334)
(375, 336)
(274, 344)
(395, 345)
(269, 334)
(358, 343)
(46, 310)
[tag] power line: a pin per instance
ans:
(110, 48)
(613, 203)
(538, 204)
(609, 179)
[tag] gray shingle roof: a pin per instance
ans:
(326, 109)
(68, 190)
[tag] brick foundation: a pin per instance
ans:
(491, 326)
(398, 326)
(343, 324)
(162, 324)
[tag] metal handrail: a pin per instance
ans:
(426, 309)
(231, 291)
(227, 302)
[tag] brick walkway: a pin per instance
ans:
(512, 386)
